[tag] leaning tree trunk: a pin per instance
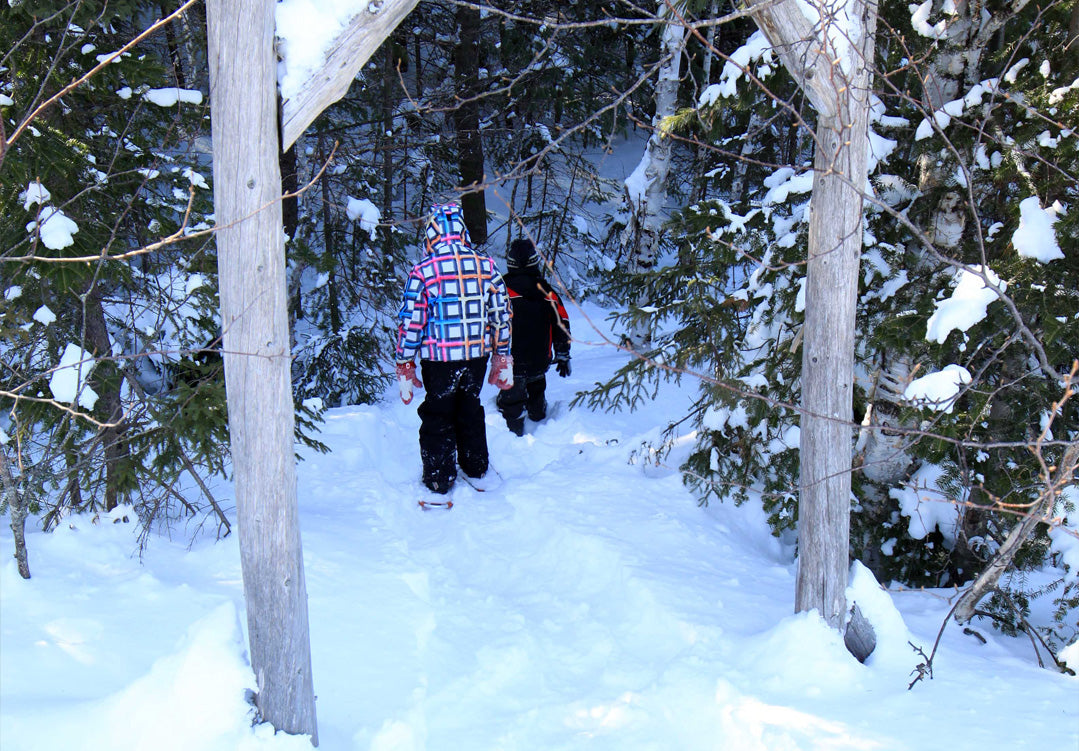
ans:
(1056, 480)
(646, 188)
(837, 83)
(254, 319)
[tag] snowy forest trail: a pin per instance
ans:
(557, 583)
(586, 603)
(561, 576)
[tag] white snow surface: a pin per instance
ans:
(35, 193)
(926, 507)
(839, 21)
(68, 380)
(366, 213)
(44, 315)
(756, 48)
(967, 305)
(586, 603)
(1034, 237)
(938, 390)
(919, 19)
(168, 97)
(55, 228)
(305, 31)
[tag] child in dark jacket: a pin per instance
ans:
(540, 330)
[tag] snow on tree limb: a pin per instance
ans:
(307, 88)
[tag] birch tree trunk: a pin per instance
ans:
(646, 188)
(254, 318)
(830, 56)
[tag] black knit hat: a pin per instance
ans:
(522, 255)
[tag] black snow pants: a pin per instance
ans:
(528, 392)
(452, 427)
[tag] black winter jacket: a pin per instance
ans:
(540, 322)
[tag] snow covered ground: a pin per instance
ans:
(587, 603)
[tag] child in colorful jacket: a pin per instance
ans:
(455, 314)
(540, 329)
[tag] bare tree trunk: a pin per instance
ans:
(466, 73)
(251, 260)
(290, 219)
(1073, 32)
(108, 381)
(175, 56)
(389, 88)
(837, 84)
(750, 146)
(290, 183)
(392, 74)
(329, 241)
(835, 243)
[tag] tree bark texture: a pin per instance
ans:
(831, 58)
(835, 241)
(251, 263)
(466, 72)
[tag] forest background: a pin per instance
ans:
(964, 434)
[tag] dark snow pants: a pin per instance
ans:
(528, 392)
(452, 427)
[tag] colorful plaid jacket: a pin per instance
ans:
(456, 306)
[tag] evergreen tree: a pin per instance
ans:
(988, 160)
(108, 256)
(102, 174)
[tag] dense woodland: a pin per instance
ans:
(519, 110)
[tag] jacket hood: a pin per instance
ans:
(445, 225)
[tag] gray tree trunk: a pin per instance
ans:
(835, 243)
(251, 263)
(837, 83)
(708, 55)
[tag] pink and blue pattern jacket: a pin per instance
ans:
(456, 306)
